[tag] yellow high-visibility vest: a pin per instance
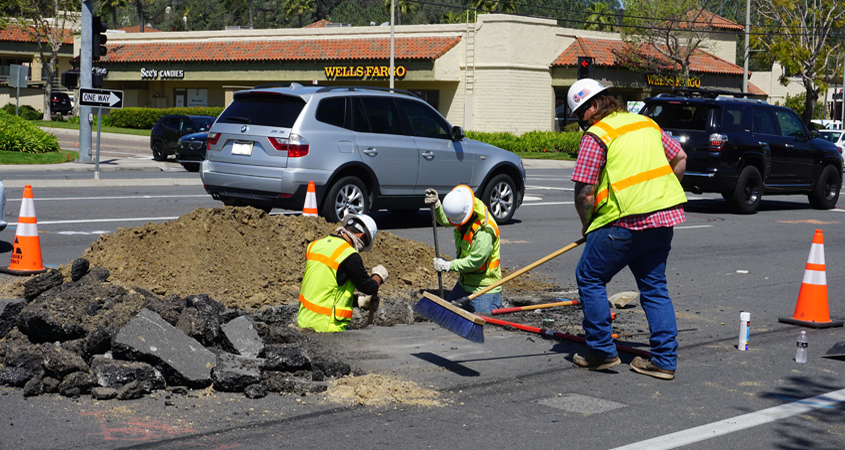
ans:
(636, 179)
(489, 272)
(323, 305)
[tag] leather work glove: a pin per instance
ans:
(364, 301)
(380, 271)
(441, 265)
(431, 198)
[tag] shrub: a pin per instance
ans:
(24, 111)
(533, 141)
(19, 135)
(146, 118)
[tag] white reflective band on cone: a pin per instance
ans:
(816, 254)
(815, 277)
(27, 208)
(27, 229)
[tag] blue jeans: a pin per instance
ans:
(606, 252)
(484, 303)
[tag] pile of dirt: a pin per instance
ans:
(246, 258)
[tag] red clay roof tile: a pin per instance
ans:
(21, 34)
(291, 50)
(602, 51)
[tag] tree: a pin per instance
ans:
(46, 22)
(140, 5)
(455, 17)
(493, 6)
(111, 7)
(403, 7)
(602, 17)
(298, 8)
(673, 30)
(798, 35)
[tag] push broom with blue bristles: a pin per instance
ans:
(465, 324)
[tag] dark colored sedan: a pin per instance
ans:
(190, 152)
(164, 137)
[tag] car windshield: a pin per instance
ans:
(203, 123)
(677, 115)
(830, 136)
(263, 108)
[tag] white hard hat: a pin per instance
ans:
(458, 204)
(582, 91)
(364, 224)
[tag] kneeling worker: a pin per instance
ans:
(476, 244)
(333, 270)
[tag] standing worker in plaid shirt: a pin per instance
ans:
(629, 196)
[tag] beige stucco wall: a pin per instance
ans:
(770, 83)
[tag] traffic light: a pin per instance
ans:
(585, 67)
(98, 39)
(70, 78)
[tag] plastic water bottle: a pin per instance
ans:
(801, 351)
(744, 330)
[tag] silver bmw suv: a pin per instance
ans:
(364, 148)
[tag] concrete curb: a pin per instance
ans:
(547, 164)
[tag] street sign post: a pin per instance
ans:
(100, 98)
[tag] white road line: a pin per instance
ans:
(548, 203)
(113, 197)
(136, 219)
(738, 423)
(545, 188)
(693, 226)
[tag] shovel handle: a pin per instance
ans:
(436, 249)
(527, 268)
(530, 307)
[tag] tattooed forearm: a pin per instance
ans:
(584, 202)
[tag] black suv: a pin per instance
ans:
(164, 137)
(60, 103)
(743, 147)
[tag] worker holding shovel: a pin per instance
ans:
(629, 196)
(333, 270)
(476, 244)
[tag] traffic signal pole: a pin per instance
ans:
(85, 66)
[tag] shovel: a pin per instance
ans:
(436, 249)
(462, 302)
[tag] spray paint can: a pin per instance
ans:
(744, 330)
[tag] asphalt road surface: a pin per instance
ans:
(516, 390)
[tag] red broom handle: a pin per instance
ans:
(556, 334)
(530, 307)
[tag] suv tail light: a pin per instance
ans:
(718, 142)
(211, 140)
(295, 145)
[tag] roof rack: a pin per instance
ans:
(708, 93)
(368, 88)
(293, 85)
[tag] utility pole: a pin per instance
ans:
(85, 67)
(392, 9)
(747, 51)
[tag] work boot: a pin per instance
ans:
(591, 361)
(646, 367)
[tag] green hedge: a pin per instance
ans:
(19, 135)
(533, 141)
(146, 118)
(24, 111)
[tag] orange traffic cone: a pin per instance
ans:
(811, 309)
(310, 209)
(26, 251)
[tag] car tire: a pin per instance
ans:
(347, 196)
(500, 198)
(748, 191)
(191, 167)
(158, 151)
(826, 193)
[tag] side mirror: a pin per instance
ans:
(457, 133)
(189, 129)
(814, 133)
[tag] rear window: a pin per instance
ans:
(203, 123)
(262, 108)
(830, 136)
(682, 116)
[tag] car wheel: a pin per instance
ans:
(158, 151)
(748, 191)
(347, 196)
(826, 193)
(500, 198)
(191, 167)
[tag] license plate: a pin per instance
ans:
(242, 148)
